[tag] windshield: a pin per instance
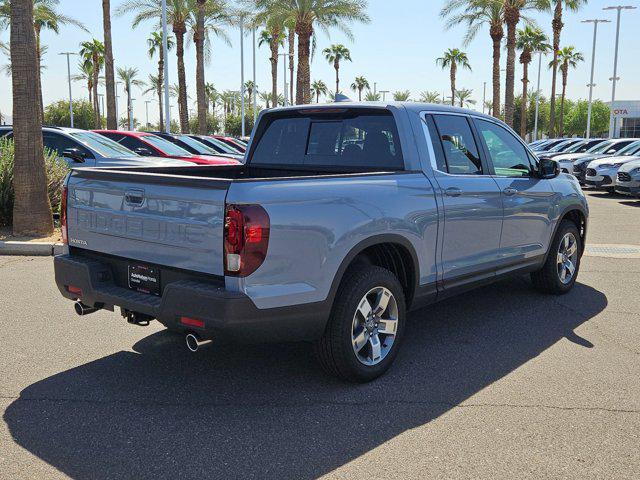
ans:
(630, 149)
(561, 146)
(196, 145)
(166, 146)
(584, 146)
(576, 147)
(601, 147)
(103, 145)
(221, 145)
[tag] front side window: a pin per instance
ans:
(336, 141)
(460, 150)
(60, 143)
(508, 155)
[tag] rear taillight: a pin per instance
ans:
(246, 239)
(63, 215)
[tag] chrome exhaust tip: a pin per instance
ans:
(194, 342)
(82, 309)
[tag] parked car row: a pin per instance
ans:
(112, 148)
(604, 164)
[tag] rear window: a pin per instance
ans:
(365, 140)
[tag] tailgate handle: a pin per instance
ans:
(134, 197)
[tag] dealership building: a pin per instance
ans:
(626, 118)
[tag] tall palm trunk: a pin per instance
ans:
(360, 93)
(292, 51)
(497, 34)
(274, 68)
(512, 17)
(96, 104)
(525, 59)
(31, 208)
(200, 84)
(179, 30)
(452, 75)
(557, 28)
(109, 75)
(90, 89)
(336, 65)
(303, 81)
(39, 73)
(565, 74)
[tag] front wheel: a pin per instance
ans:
(364, 331)
(559, 273)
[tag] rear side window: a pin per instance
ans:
(460, 150)
(367, 140)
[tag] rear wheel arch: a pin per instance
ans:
(392, 252)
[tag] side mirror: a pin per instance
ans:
(548, 168)
(144, 151)
(74, 154)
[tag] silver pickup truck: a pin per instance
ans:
(342, 218)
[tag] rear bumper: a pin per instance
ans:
(225, 314)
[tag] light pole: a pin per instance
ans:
(384, 94)
(614, 79)
(131, 122)
(242, 71)
(255, 86)
(484, 95)
(595, 22)
(535, 122)
(69, 79)
(165, 52)
(284, 70)
(146, 107)
(117, 97)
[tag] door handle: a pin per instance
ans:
(453, 192)
(509, 191)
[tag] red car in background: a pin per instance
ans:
(147, 144)
(231, 141)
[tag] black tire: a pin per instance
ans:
(334, 350)
(547, 279)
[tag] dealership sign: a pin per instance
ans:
(626, 109)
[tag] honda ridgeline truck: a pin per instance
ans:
(341, 219)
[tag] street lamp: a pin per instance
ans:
(255, 86)
(242, 71)
(595, 22)
(117, 97)
(384, 94)
(69, 79)
(146, 107)
(484, 95)
(131, 123)
(615, 78)
(100, 105)
(284, 71)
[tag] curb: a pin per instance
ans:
(35, 249)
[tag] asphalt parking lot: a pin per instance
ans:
(500, 383)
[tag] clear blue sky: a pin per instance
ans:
(397, 50)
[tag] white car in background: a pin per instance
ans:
(576, 163)
(601, 174)
(628, 179)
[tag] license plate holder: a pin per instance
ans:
(144, 279)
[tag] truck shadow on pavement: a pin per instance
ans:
(268, 411)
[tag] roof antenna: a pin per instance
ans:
(340, 97)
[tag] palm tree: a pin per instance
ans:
(334, 55)
(307, 15)
(372, 97)
(85, 75)
(489, 106)
(359, 85)
(211, 16)
(45, 17)
(430, 97)
(31, 208)
(156, 87)
(464, 97)
(273, 37)
(318, 87)
(530, 40)
(154, 43)
(128, 77)
(266, 98)
(109, 75)
(291, 28)
(249, 87)
(476, 14)
(401, 95)
(93, 52)
(212, 96)
(567, 58)
(453, 58)
(556, 23)
(179, 16)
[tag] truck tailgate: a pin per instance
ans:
(152, 218)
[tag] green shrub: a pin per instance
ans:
(57, 114)
(212, 124)
(56, 172)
